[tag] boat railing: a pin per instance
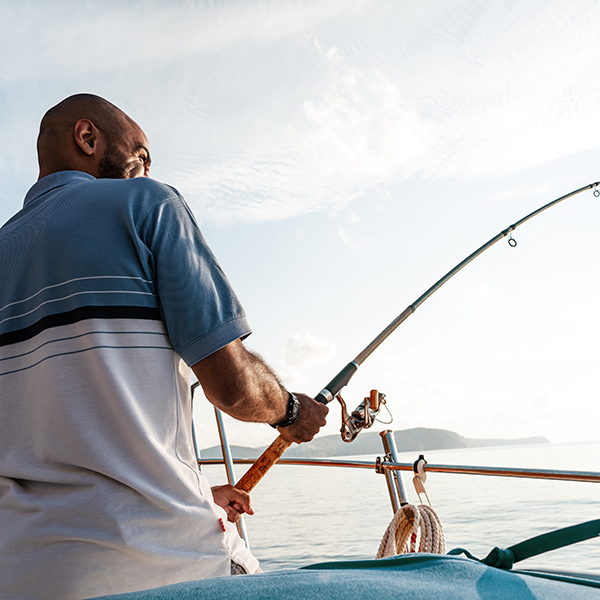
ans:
(589, 476)
(388, 465)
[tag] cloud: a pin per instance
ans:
(267, 110)
(362, 131)
(482, 291)
(145, 37)
(357, 134)
(500, 97)
(521, 92)
(343, 235)
(355, 240)
(303, 351)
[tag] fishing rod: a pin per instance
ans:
(270, 456)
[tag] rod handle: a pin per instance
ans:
(265, 461)
(274, 452)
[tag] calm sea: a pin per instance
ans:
(312, 514)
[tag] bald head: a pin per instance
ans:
(87, 133)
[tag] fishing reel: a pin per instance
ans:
(362, 417)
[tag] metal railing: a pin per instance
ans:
(589, 476)
(390, 466)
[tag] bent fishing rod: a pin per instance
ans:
(272, 454)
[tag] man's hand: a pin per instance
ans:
(310, 419)
(235, 502)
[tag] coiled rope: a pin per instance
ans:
(402, 532)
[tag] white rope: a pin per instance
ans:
(403, 531)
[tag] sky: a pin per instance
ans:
(341, 156)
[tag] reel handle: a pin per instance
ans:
(374, 400)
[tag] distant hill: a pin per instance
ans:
(418, 439)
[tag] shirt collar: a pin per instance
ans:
(55, 180)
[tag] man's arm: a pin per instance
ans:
(242, 385)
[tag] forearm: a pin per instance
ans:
(242, 385)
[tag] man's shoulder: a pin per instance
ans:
(139, 194)
(138, 185)
(153, 185)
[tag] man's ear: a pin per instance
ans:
(86, 136)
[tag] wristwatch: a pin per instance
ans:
(293, 409)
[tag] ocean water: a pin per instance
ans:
(312, 514)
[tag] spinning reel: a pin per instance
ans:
(362, 417)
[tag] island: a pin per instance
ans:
(408, 440)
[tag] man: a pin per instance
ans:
(108, 295)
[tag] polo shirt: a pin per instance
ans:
(108, 294)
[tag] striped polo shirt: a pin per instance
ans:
(108, 293)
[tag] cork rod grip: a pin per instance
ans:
(266, 460)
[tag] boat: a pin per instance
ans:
(424, 575)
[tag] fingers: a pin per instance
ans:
(234, 513)
(235, 502)
(239, 500)
(311, 418)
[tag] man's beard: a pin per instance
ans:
(112, 165)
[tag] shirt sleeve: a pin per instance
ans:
(199, 307)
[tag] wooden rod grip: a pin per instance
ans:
(265, 461)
